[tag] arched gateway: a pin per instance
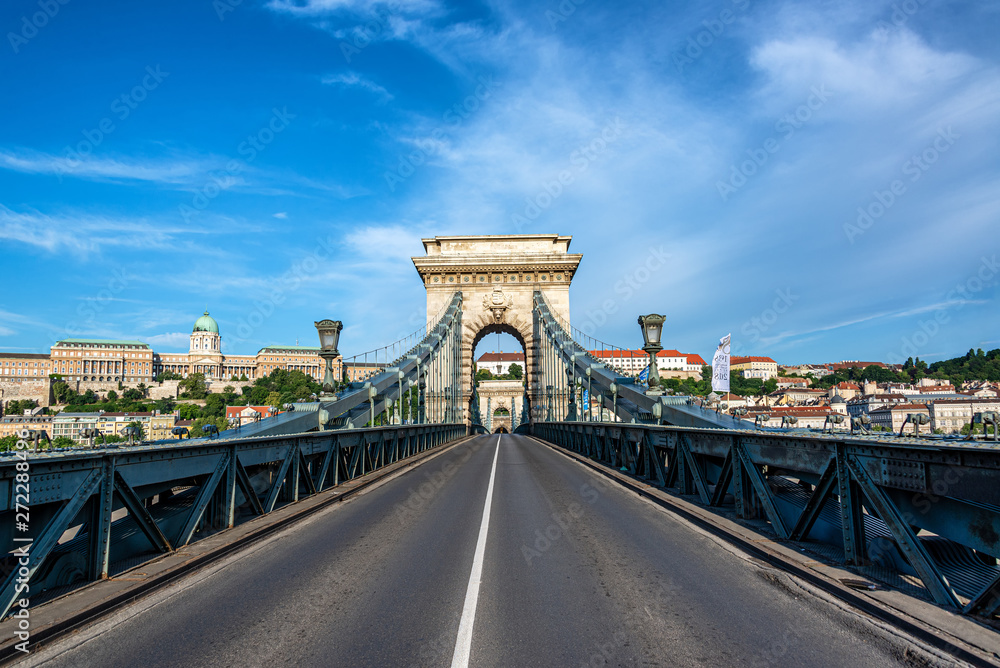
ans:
(497, 276)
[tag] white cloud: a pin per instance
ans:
(353, 79)
(281, 215)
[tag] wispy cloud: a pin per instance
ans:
(169, 172)
(355, 80)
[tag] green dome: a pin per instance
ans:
(206, 323)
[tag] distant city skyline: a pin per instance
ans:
(823, 182)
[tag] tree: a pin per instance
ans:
(112, 395)
(515, 372)
(484, 374)
(60, 390)
(215, 406)
(130, 394)
(188, 411)
(63, 442)
(167, 375)
(141, 435)
(193, 387)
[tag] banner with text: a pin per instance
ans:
(720, 366)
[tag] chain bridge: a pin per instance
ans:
(615, 524)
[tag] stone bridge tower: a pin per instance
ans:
(497, 276)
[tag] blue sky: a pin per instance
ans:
(821, 179)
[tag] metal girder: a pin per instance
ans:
(694, 467)
(243, 480)
(201, 501)
(763, 492)
(937, 584)
(102, 506)
(304, 471)
(32, 555)
(809, 514)
(725, 479)
(328, 457)
(279, 478)
(851, 515)
(986, 602)
(139, 513)
(229, 494)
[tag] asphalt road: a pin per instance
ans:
(575, 572)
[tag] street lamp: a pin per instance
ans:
(571, 391)
(614, 401)
(329, 337)
(652, 328)
(590, 396)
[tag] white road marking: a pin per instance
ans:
(463, 646)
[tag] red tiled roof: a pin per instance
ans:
(618, 354)
(847, 386)
(750, 358)
(847, 364)
(501, 357)
(695, 359)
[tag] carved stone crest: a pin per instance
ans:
(498, 303)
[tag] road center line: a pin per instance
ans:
(463, 646)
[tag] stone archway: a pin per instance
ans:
(504, 395)
(497, 276)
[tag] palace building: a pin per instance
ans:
(132, 362)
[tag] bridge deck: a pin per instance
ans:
(576, 571)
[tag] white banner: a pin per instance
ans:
(720, 366)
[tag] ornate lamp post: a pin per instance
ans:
(571, 394)
(652, 328)
(421, 387)
(329, 337)
(614, 401)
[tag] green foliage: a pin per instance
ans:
(193, 387)
(515, 372)
(131, 394)
(8, 443)
(188, 411)
(112, 395)
(60, 390)
(484, 374)
(974, 365)
(167, 375)
(283, 387)
(18, 406)
(63, 442)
